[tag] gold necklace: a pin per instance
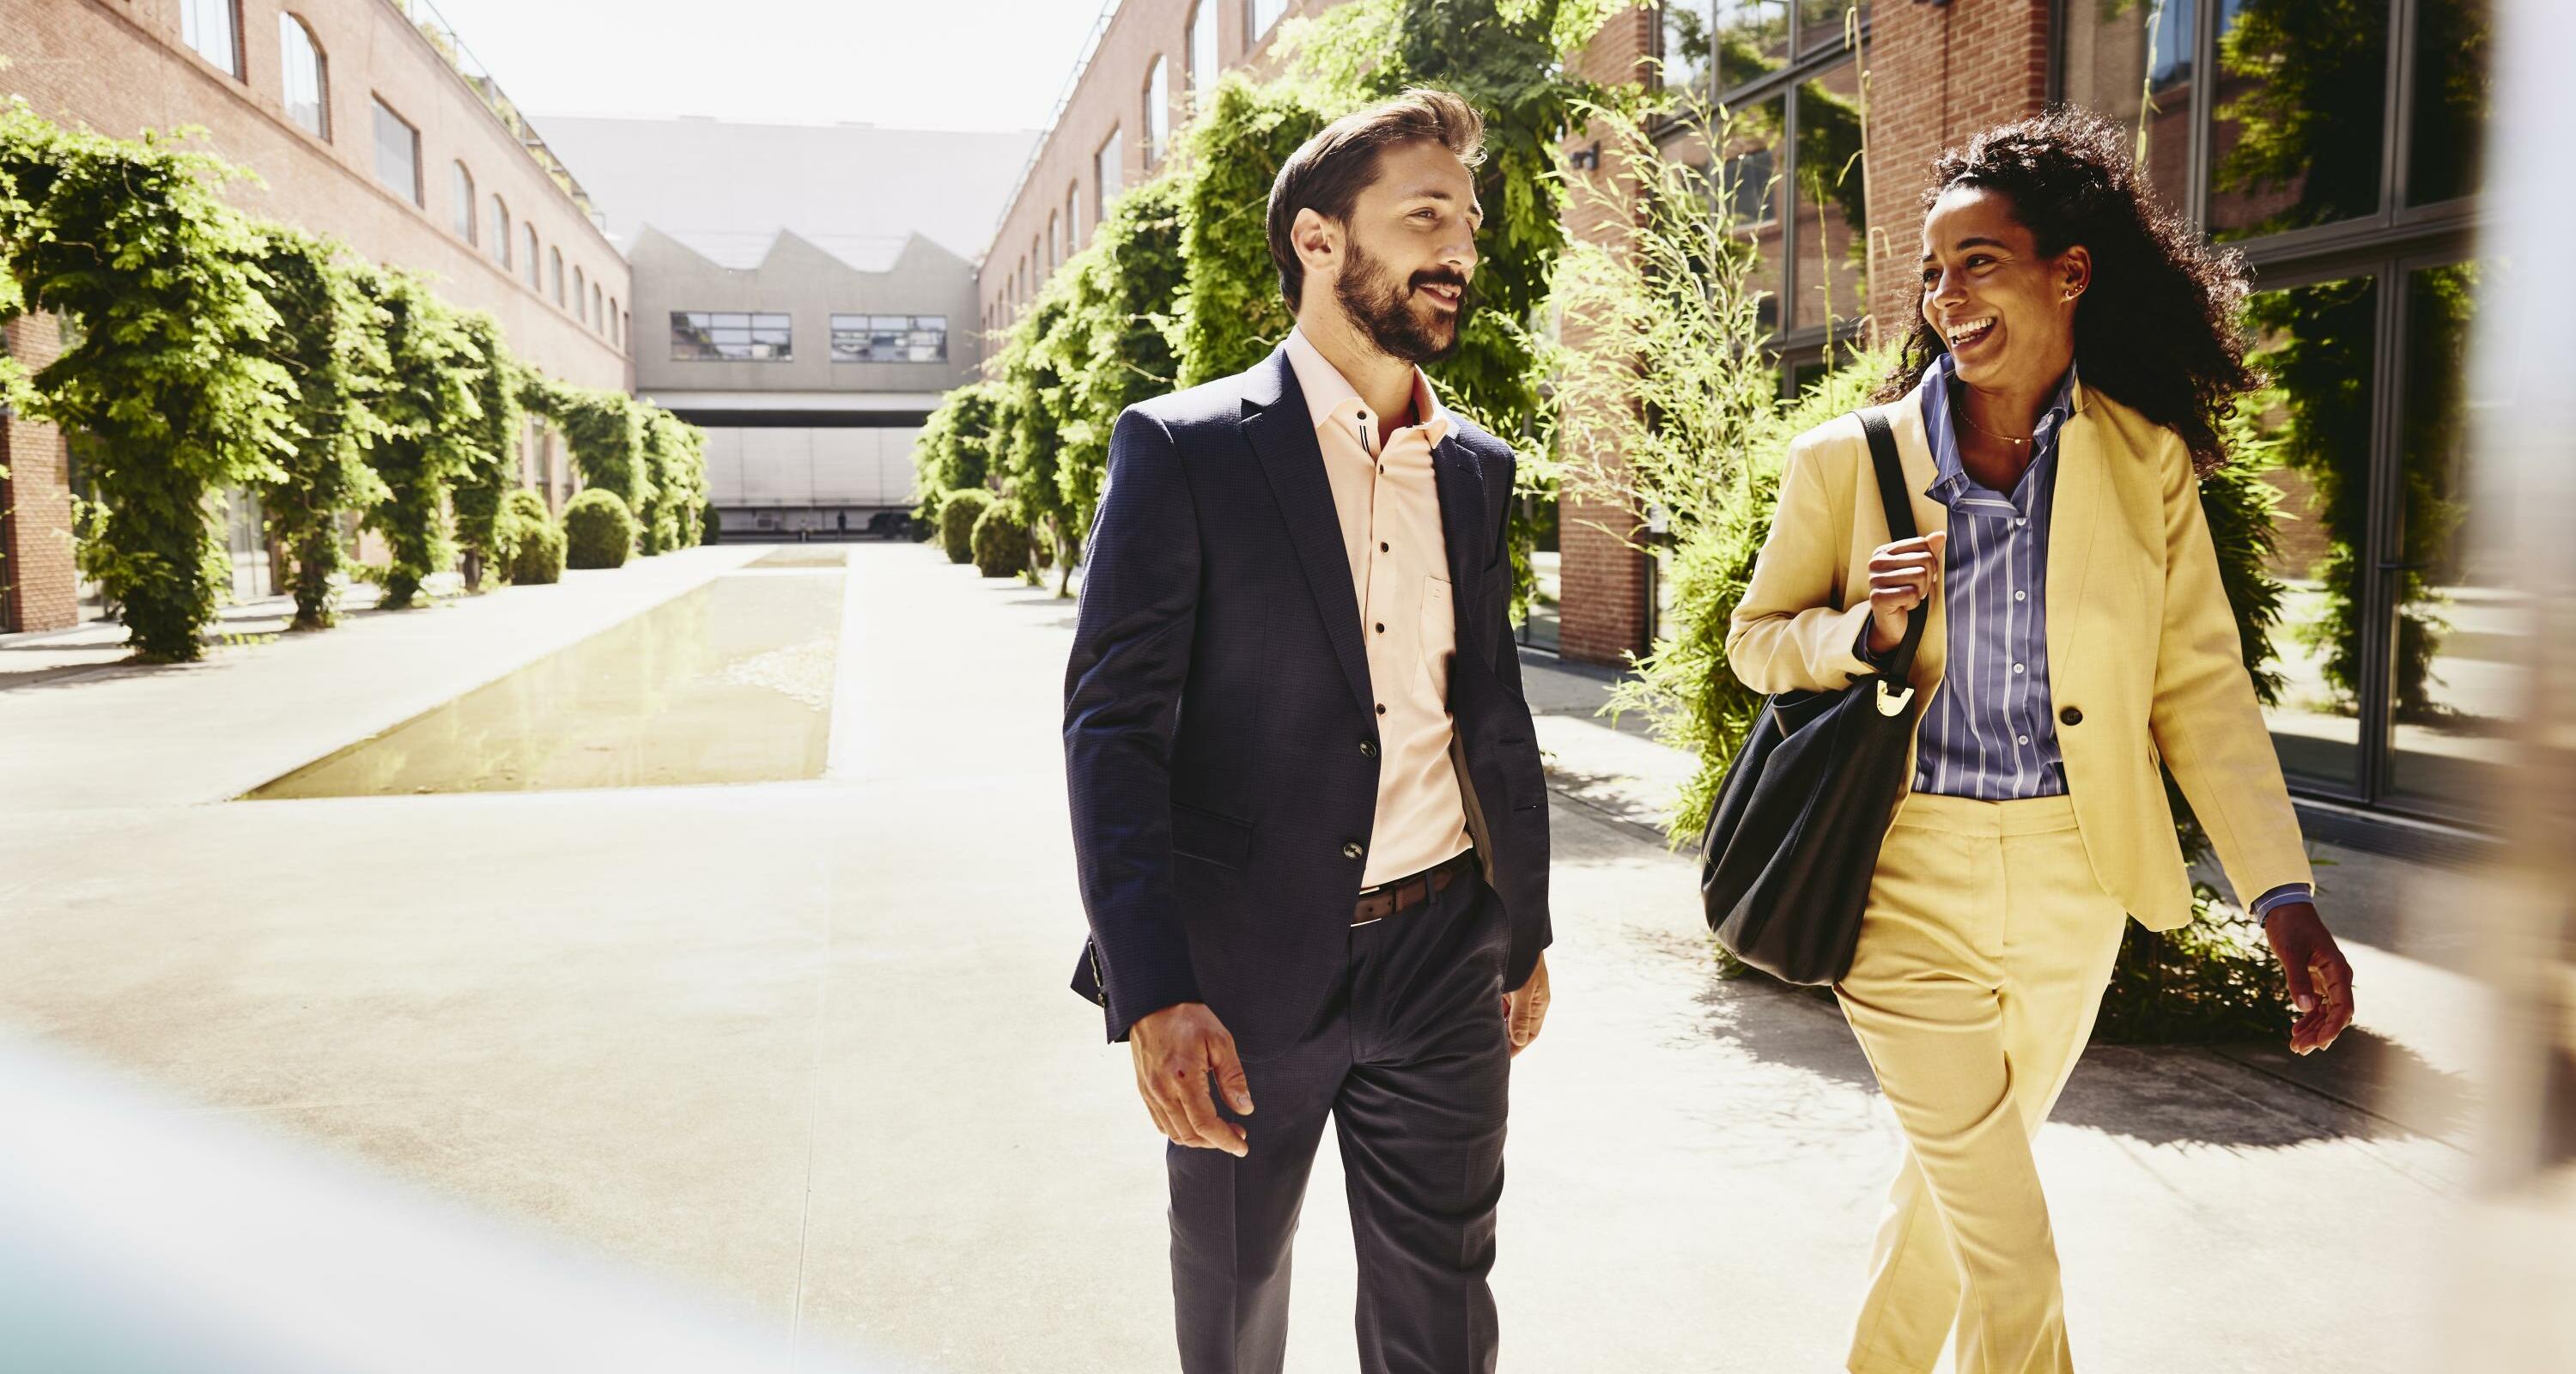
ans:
(1981, 429)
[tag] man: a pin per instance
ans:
(1307, 806)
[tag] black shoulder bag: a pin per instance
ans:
(1786, 864)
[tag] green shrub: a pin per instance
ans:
(957, 517)
(528, 544)
(710, 524)
(599, 532)
(1002, 544)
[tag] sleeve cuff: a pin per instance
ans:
(2261, 907)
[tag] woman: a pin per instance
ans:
(2054, 408)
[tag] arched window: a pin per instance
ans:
(616, 336)
(501, 232)
(1073, 217)
(1202, 53)
(1109, 168)
(580, 301)
(598, 316)
(307, 80)
(534, 282)
(1259, 16)
(460, 189)
(1052, 239)
(554, 266)
(1037, 265)
(213, 29)
(1158, 110)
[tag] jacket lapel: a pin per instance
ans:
(1293, 463)
(2074, 514)
(1461, 481)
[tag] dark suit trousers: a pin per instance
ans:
(1411, 1061)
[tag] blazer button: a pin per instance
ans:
(2070, 716)
(1368, 748)
(1351, 849)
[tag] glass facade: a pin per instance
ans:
(889, 338)
(731, 336)
(2336, 144)
(1769, 99)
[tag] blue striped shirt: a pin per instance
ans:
(1989, 733)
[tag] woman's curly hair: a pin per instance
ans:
(2158, 328)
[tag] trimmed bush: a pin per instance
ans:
(957, 517)
(599, 531)
(529, 544)
(1002, 543)
(710, 525)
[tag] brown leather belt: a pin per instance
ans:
(1404, 894)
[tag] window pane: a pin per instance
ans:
(207, 26)
(1264, 13)
(1108, 165)
(2131, 60)
(1833, 210)
(730, 336)
(1820, 22)
(1752, 37)
(460, 194)
(1685, 39)
(397, 154)
(1748, 178)
(2302, 105)
(2463, 625)
(1202, 52)
(2450, 120)
(1158, 110)
(500, 232)
(1072, 224)
(2311, 429)
(533, 283)
(300, 66)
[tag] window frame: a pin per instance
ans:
(502, 227)
(289, 24)
(753, 322)
(555, 274)
(233, 63)
(870, 324)
(381, 111)
(536, 262)
(1156, 117)
(463, 220)
(1201, 80)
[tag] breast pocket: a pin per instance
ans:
(1439, 636)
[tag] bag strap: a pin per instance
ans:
(1900, 525)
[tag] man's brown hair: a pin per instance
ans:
(1330, 170)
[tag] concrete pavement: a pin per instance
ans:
(807, 1048)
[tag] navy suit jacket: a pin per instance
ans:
(1217, 704)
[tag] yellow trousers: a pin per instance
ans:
(1981, 964)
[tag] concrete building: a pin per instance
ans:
(365, 119)
(807, 294)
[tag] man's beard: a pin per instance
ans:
(1384, 309)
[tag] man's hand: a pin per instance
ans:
(1900, 578)
(1525, 1009)
(1175, 1050)
(2320, 981)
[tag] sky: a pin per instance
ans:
(921, 64)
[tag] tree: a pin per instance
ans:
(331, 341)
(954, 449)
(490, 468)
(169, 376)
(432, 418)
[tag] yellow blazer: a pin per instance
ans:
(2141, 641)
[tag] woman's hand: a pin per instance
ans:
(1900, 578)
(2320, 981)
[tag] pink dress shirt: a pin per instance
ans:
(1389, 503)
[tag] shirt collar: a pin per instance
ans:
(1329, 395)
(1950, 472)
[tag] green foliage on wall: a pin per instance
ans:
(528, 546)
(331, 342)
(431, 412)
(604, 431)
(491, 451)
(676, 466)
(954, 450)
(957, 517)
(1230, 311)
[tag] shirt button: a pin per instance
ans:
(2021, 596)
(2016, 667)
(2025, 739)
(1381, 548)
(1351, 849)
(1368, 748)
(1381, 627)
(2070, 716)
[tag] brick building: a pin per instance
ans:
(2341, 158)
(364, 119)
